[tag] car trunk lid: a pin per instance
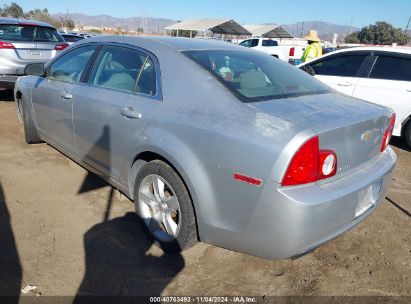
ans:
(35, 50)
(352, 128)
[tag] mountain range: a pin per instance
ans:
(156, 25)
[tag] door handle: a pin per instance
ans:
(66, 95)
(130, 113)
(345, 84)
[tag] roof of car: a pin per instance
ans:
(176, 43)
(24, 21)
(71, 35)
(403, 50)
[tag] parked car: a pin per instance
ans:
(265, 160)
(71, 38)
(23, 42)
(287, 53)
(381, 75)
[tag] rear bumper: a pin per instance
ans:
(290, 221)
(7, 81)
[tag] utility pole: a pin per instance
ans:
(302, 30)
(352, 20)
(408, 24)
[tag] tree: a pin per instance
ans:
(43, 15)
(67, 23)
(13, 10)
(379, 33)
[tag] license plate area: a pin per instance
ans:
(367, 198)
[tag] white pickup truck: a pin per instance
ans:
(287, 53)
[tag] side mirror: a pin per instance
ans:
(308, 69)
(35, 69)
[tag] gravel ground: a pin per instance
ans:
(54, 235)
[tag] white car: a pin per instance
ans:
(381, 75)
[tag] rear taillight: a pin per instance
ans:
(60, 47)
(328, 164)
(388, 133)
(310, 164)
(292, 52)
(6, 45)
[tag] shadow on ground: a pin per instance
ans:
(6, 95)
(117, 259)
(10, 266)
(399, 142)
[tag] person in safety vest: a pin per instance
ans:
(314, 49)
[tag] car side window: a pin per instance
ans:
(392, 68)
(254, 43)
(344, 65)
(269, 42)
(70, 66)
(121, 69)
(146, 82)
(246, 43)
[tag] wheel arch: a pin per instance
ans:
(405, 123)
(154, 154)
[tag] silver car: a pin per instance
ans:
(212, 141)
(23, 42)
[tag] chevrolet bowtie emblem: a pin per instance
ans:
(366, 136)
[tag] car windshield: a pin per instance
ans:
(17, 32)
(255, 77)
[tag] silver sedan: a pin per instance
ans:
(212, 141)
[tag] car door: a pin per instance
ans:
(389, 84)
(54, 94)
(341, 71)
(119, 101)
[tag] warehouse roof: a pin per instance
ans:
(217, 26)
(268, 31)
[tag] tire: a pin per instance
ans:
(31, 135)
(159, 209)
(407, 135)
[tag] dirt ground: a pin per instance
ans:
(55, 234)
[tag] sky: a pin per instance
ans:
(357, 13)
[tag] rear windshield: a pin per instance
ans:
(255, 77)
(16, 32)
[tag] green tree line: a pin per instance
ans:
(381, 33)
(14, 10)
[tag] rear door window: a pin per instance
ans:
(269, 43)
(71, 65)
(392, 68)
(28, 33)
(126, 70)
(344, 65)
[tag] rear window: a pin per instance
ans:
(269, 43)
(255, 77)
(17, 32)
